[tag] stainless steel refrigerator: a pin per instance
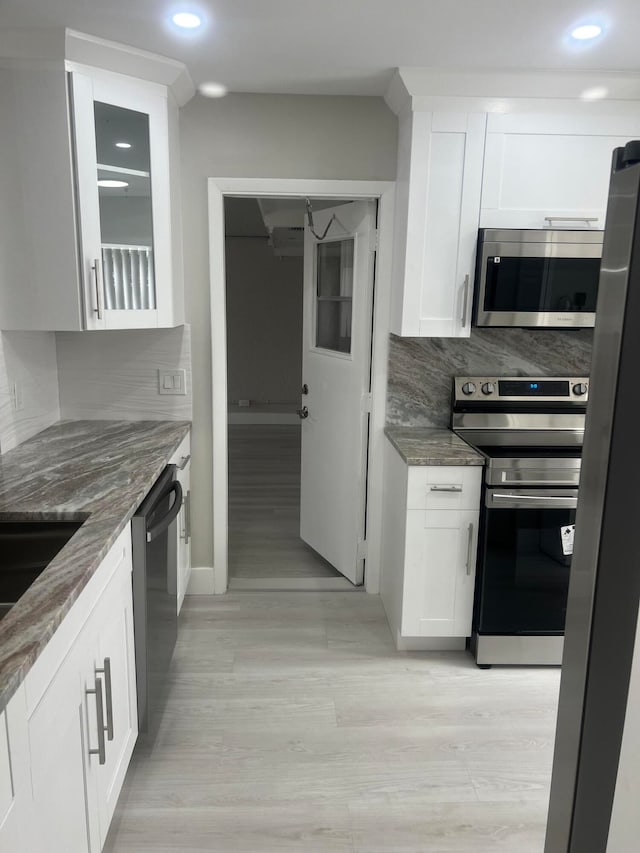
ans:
(604, 589)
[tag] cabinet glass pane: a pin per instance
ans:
(126, 222)
(334, 293)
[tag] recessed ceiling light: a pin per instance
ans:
(212, 90)
(123, 145)
(595, 93)
(114, 185)
(586, 32)
(187, 20)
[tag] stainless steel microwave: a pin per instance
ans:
(537, 278)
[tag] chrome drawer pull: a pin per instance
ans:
(465, 300)
(100, 751)
(99, 309)
(446, 488)
(469, 544)
(587, 219)
(184, 461)
(106, 671)
(185, 533)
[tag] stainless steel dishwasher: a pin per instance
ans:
(155, 601)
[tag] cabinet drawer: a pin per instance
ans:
(444, 487)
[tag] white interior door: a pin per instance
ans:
(336, 358)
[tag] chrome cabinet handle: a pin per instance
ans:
(186, 532)
(446, 488)
(101, 750)
(551, 219)
(99, 309)
(184, 461)
(469, 544)
(465, 300)
(106, 671)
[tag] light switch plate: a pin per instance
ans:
(172, 382)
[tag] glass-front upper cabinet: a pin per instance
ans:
(121, 136)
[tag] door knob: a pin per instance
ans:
(303, 413)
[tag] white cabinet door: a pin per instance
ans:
(114, 658)
(550, 170)
(182, 459)
(440, 158)
(439, 573)
(16, 825)
(123, 185)
(58, 738)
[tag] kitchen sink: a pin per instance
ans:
(26, 549)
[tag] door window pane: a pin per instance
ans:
(334, 295)
(126, 222)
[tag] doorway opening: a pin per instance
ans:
(215, 578)
(299, 303)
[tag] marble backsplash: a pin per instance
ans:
(421, 369)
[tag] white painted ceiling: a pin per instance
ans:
(350, 47)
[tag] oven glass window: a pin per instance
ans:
(541, 284)
(524, 572)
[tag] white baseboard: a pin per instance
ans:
(284, 584)
(263, 418)
(430, 644)
(201, 581)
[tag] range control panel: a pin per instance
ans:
(521, 389)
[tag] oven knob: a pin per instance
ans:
(468, 388)
(488, 388)
(580, 389)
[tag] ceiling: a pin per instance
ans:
(349, 47)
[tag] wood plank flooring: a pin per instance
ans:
(292, 724)
(264, 506)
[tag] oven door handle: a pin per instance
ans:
(553, 500)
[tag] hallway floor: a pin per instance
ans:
(292, 724)
(264, 507)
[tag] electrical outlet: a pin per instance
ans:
(172, 382)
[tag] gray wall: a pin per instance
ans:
(421, 369)
(264, 324)
(266, 136)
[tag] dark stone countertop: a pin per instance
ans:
(94, 470)
(424, 446)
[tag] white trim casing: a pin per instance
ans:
(383, 191)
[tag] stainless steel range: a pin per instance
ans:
(530, 430)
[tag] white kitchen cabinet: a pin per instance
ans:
(75, 255)
(80, 716)
(182, 458)
(439, 573)
(440, 157)
(544, 171)
(430, 540)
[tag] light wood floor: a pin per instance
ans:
(264, 506)
(293, 725)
